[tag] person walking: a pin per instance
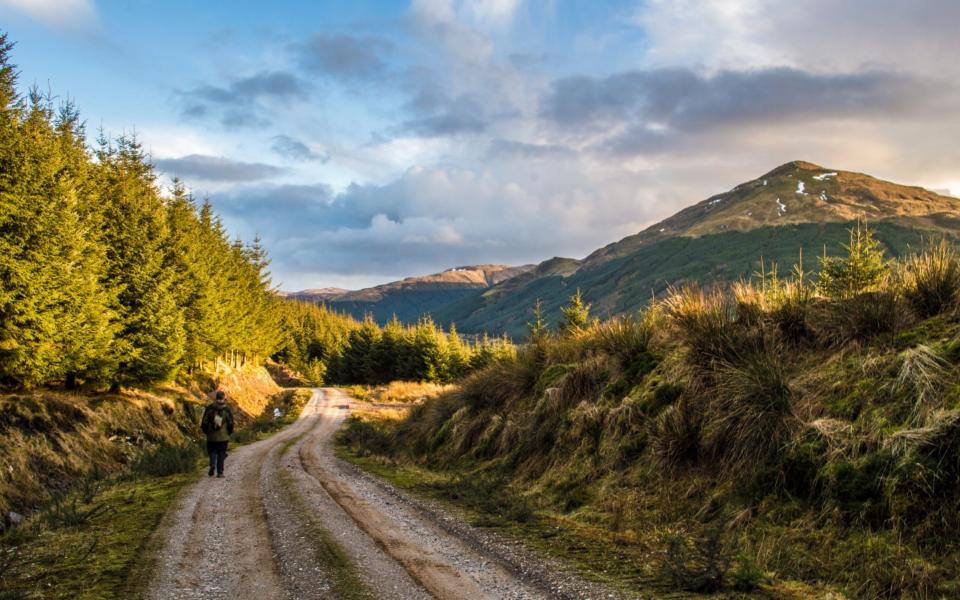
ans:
(217, 423)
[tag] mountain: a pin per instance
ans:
(412, 297)
(317, 294)
(797, 206)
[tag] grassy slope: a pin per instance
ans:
(110, 554)
(862, 496)
(627, 283)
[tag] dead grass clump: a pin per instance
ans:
(675, 436)
(751, 414)
(422, 431)
(923, 374)
(498, 386)
(930, 279)
(861, 317)
(706, 323)
(584, 382)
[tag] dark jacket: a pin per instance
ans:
(208, 424)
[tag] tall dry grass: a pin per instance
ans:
(930, 279)
(51, 439)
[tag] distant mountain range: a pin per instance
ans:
(796, 206)
(411, 297)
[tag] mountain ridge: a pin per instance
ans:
(411, 297)
(791, 193)
(797, 206)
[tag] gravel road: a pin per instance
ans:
(244, 536)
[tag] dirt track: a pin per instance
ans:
(244, 536)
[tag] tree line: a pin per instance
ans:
(106, 280)
(329, 347)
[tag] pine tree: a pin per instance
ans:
(151, 340)
(54, 321)
(863, 269)
(390, 353)
(576, 314)
(537, 328)
(458, 354)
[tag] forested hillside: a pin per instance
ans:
(106, 278)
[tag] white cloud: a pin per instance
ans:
(59, 14)
(708, 33)
(818, 35)
(493, 13)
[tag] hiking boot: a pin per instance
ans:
(219, 475)
(210, 472)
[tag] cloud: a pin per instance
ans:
(58, 14)
(429, 219)
(343, 56)
(449, 117)
(502, 148)
(485, 14)
(820, 35)
(243, 101)
(646, 108)
(293, 149)
(495, 13)
(217, 168)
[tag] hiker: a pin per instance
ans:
(217, 423)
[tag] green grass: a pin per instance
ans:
(106, 557)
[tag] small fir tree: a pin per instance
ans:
(863, 269)
(576, 314)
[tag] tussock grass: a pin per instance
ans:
(706, 323)
(923, 374)
(861, 317)
(751, 415)
(930, 279)
(676, 436)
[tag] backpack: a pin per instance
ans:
(217, 421)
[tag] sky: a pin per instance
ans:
(366, 141)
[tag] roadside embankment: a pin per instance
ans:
(91, 537)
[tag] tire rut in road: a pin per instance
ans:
(442, 563)
(329, 536)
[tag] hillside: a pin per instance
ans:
(414, 296)
(797, 206)
(784, 440)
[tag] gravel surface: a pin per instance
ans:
(243, 536)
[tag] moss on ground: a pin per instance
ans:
(106, 557)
